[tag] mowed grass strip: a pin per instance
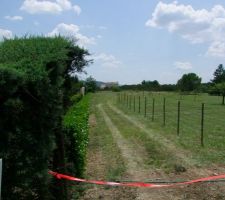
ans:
(101, 141)
(190, 122)
(154, 155)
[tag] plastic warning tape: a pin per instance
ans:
(135, 184)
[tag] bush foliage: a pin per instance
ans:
(75, 124)
(35, 86)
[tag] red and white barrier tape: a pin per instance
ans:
(135, 184)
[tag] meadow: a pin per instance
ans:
(126, 145)
(193, 124)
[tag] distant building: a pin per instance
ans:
(108, 85)
(102, 86)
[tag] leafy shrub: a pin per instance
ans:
(34, 88)
(116, 89)
(90, 84)
(26, 132)
(75, 124)
(76, 98)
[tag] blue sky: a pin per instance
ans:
(130, 40)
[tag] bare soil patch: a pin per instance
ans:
(92, 120)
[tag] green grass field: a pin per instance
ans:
(190, 120)
(127, 146)
(99, 139)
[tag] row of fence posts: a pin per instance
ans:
(127, 99)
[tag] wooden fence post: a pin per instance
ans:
(164, 111)
(178, 118)
(202, 125)
(153, 109)
(139, 104)
(130, 101)
(134, 103)
(145, 105)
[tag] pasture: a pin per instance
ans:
(194, 126)
(127, 145)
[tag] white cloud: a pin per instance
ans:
(197, 26)
(107, 60)
(77, 9)
(14, 18)
(45, 6)
(216, 49)
(72, 31)
(5, 34)
(183, 65)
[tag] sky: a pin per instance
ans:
(129, 40)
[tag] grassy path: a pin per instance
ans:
(122, 148)
(134, 162)
(104, 160)
(183, 156)
(135, 154)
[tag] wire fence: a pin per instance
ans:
(198, 118)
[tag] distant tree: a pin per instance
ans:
(115, 88)
(150, 85)
(155, 83)
(205, 87)
(90, 84)
(219, 75)
(219, 89)
(189, 82)
(168, 87)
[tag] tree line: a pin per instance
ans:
(188, 83)
(150, 86)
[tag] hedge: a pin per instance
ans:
(34, 92)
(75, 124)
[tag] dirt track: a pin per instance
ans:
(136, 169)
(134, 162)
